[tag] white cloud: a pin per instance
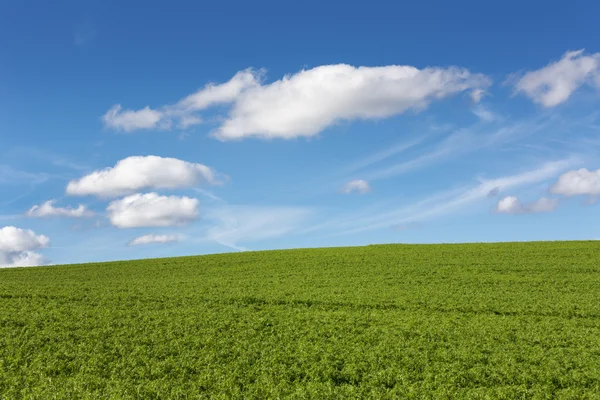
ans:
(554, 83)
(184, 111)
(151, 238)
(17, 239)
(47, 209)
(356, 186)
(305, 103)
(512, 205)
(130, 120)
(22, 259)
(135, 173)
(311, 100)
(151, 209)
(578, 182)
(237, 225)
(509, 205)
(17, 245)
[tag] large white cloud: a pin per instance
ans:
(47, 209)
(311, 100)
(137, 172)
(17, 245)
(554, 83)
(183, 111)
(512, 205)
(152, 238)
(305, 103)
(356, 186)
(578, 182)
(151, 209)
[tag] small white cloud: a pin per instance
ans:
(136, 173)
(47, 209)
(151, 209)
(147, 239)
(356, 186)
(509, 205)
(578, 182)
(17, 245)
(130, 120)
(554, 83)
(184, 111)
(512, 205)
(22, 259)
(477, 95)
(9, 175)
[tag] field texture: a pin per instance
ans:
(477, 321)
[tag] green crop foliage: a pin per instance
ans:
(472, 321)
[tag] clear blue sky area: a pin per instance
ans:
(137, 129)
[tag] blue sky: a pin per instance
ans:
(150, 129)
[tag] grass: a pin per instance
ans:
(472, 321)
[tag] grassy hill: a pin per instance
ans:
(513, 320)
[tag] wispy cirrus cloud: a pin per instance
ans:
(384, 154)
(462, 142)
(48, 209)
(30, 154)
(440, 204)
(236, 226)
(10, 175)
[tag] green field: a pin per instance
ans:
(473, 321)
